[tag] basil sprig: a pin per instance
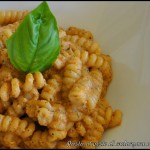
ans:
(35, 45)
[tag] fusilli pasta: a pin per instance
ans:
(15, 125)
(86, 90)
(64, 56)
(79, 32)
(72, 73)
(64, 103)
(52, 87)
(4, 35)
(10, 140)
(89, 45)
(18, 107)
(11, 16)
(41, 140)
(42, 111)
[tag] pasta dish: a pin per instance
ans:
(65, 102)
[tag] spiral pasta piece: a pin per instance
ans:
(63, 57)
(59, 121)
(116, 119)
(8, 90)
(40, 110)
(46, 139)
(87, 126)
(95, 61)
(4, 92)
(89, 45)
(28, 84)
(4, 106)
(11, 16)
(102, 106)
(41, 139)
(39, 80)
(11, 27)
(52, 87)
(7, 74)
(57, 134)
(73, 133)
(62, 33)
(108, 116)
(106, 68)
(10, 140)
(105, 114)
(54, 117)
(72, 73)
(86, 90)
(81, 53)
(78, 93)
(92, 60)
(15, 125)
(4, 35)
(18, 107)
(79, 32)
(91, 128)
(31, 95)
(14, 87)
(33, 80)
(74, 113)
(80, 128)
(104, 89)
(94, 94)
(44, 112)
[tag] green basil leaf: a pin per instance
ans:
(35, 45)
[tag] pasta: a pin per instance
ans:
(10, 140)
(18, 107)
(4, 105)
(7, 70)
(4, 35)
(43, 111)
(82, 92)
(10, 16)
(64, 56)
(59, 121)
(13, 124)
(115, 119)
(13, 88)
(11, 27)
(72, 73)
(93, 126)
(74, 113)
(73, 133)
(40, 140)
(52, 87)
(79, 32)
(64, 103)
(89, 45)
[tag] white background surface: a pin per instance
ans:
(123, 31)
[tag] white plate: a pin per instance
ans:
(123, 31)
